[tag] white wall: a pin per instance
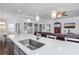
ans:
(69, 20)
(65, 20)
(9, 18)
(13, 18)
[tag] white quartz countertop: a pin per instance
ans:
(51, 47)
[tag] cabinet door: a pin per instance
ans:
(16, 50)
(35, 27)
(10, 47)
(22, 52)
(29, 28)
(40, 27)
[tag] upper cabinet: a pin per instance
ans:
(36, 27)
(25, 26)
(40, 27)
(48, 27)
(28, 27)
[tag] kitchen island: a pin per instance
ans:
(51, 47)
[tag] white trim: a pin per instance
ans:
(51, 36)
(71, 39)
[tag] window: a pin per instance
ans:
(11, 28)
(2, 27)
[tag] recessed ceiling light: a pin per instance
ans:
(19, 11)
(37, 18)
(28, 20)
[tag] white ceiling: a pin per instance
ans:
(43, 9)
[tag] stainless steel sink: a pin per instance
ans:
(31, 44)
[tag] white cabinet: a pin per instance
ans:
(13, 48)
(16, 50)
(38, 27)
(10, 45)
(35, 27)
(28, 27)
(22, 52)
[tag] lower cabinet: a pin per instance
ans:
(13, 49)
(18, 51)
(10, 45)
(22, 52)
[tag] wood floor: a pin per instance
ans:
(3, 48)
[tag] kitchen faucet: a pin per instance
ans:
(38, 36)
